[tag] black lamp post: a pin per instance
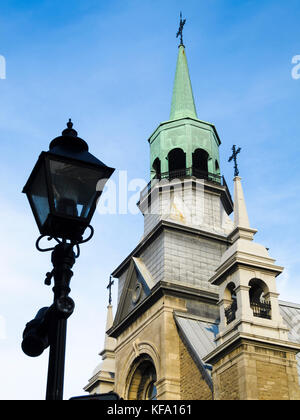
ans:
(63, 190)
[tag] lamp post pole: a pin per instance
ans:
(63, 192)
(63, 259)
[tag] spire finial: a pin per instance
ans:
(180, 30)
(183, 104)
(235, 152)
(109, 286)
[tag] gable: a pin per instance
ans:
(137, 287)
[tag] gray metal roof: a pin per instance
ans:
(199, 335)
(290, 313)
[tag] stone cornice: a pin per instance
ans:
(95, 380)
(239, 259)
(187, 120)
(162, 289)
(221, 190)
(240, 338)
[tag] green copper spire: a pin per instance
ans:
(184, 145)
(183, 104)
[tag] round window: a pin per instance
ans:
(136, 293)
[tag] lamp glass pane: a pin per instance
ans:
(39, 195)
(74, 188)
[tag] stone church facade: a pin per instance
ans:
(198, 315)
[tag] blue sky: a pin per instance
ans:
(110, 65)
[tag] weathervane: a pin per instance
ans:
(109, 286)
(180, 30)
(235, 152)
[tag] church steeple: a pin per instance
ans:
(251, 328)
(183, 104)
(103, 377)
(246, 279)
(184, 145)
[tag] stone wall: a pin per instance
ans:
(192, 384)
(154, 334)
(256, 372)
(189, 204)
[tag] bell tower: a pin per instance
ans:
(185, 165)
(184, 145)
(253, 358)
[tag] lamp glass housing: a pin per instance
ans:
(63, 194)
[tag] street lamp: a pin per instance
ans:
(63, 190)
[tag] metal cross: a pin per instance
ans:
(111, 282)
(235, 152)
(180, 30)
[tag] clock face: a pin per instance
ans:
(178, 209)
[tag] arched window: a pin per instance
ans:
(258, 302)
(151, 392)
(217, 167)
(157, 168)
(231, 303)
(200, 163)
(177, 163)
(143, 380)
